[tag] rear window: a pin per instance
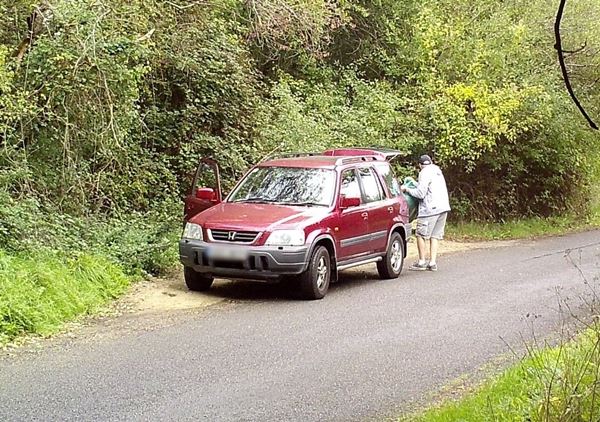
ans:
(390, 180)
(372, 188)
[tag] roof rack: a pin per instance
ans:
(340, 159)
(343, 155)
(290, 155)
(387, 153)
(359, 159)
(297, 154)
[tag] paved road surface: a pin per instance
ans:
(364, 352)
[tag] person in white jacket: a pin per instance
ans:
(434, 206)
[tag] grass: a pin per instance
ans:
(536, 226)
(40, 291)
(45, 277)
(552, 384)
(523, 229)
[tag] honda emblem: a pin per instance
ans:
(231, 236)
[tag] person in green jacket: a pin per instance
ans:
(434, 206)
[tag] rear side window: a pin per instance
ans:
(350, 187)
(371, 186)
(388, 175)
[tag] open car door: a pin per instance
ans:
(206, 189)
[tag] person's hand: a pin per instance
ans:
(403, 188)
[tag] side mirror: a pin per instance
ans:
(348, 202)
(206, 194)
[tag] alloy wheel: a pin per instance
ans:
(322, 270)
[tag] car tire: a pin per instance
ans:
(196, 281)
(314, 282)
(391, 265)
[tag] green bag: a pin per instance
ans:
(413, 203)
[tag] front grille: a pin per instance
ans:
(233, 236)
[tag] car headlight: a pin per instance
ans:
(286, 238)
(192, 231)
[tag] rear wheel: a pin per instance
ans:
(196, 281)
(314, 282)
(391, 265)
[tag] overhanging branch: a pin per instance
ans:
(563, 66)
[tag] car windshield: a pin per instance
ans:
(286, 186)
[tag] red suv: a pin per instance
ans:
(305, 217)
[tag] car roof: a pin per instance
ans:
(320, 161)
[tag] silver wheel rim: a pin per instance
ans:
(396, 256)
(321, 273)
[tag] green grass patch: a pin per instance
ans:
(526, 228)
(42, 290)
(552, 384)
(47, 279)
(534, 226)
(595, 193)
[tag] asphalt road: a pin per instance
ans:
(364, 352)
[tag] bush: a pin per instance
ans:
(55, 267)
(115, 122)
(138, 243)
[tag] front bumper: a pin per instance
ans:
(261, 262)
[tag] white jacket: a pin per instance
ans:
(431, 191)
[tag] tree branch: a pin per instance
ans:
(563, 67)
(35, 24)
(187, 6)
(577, 50)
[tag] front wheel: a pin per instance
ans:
(195, 281)
(391, 265)
(314, 282)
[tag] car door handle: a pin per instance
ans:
(365, 215)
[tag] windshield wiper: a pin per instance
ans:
(305, 203)
(259, 200)
(255, 200)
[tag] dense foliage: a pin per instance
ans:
(106, 105)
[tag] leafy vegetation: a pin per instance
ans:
(141, 244)
(107, 105)
(41, 290)
(523, 228)
(552, 384)
(55, 267)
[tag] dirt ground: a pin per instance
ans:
(170, 293)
